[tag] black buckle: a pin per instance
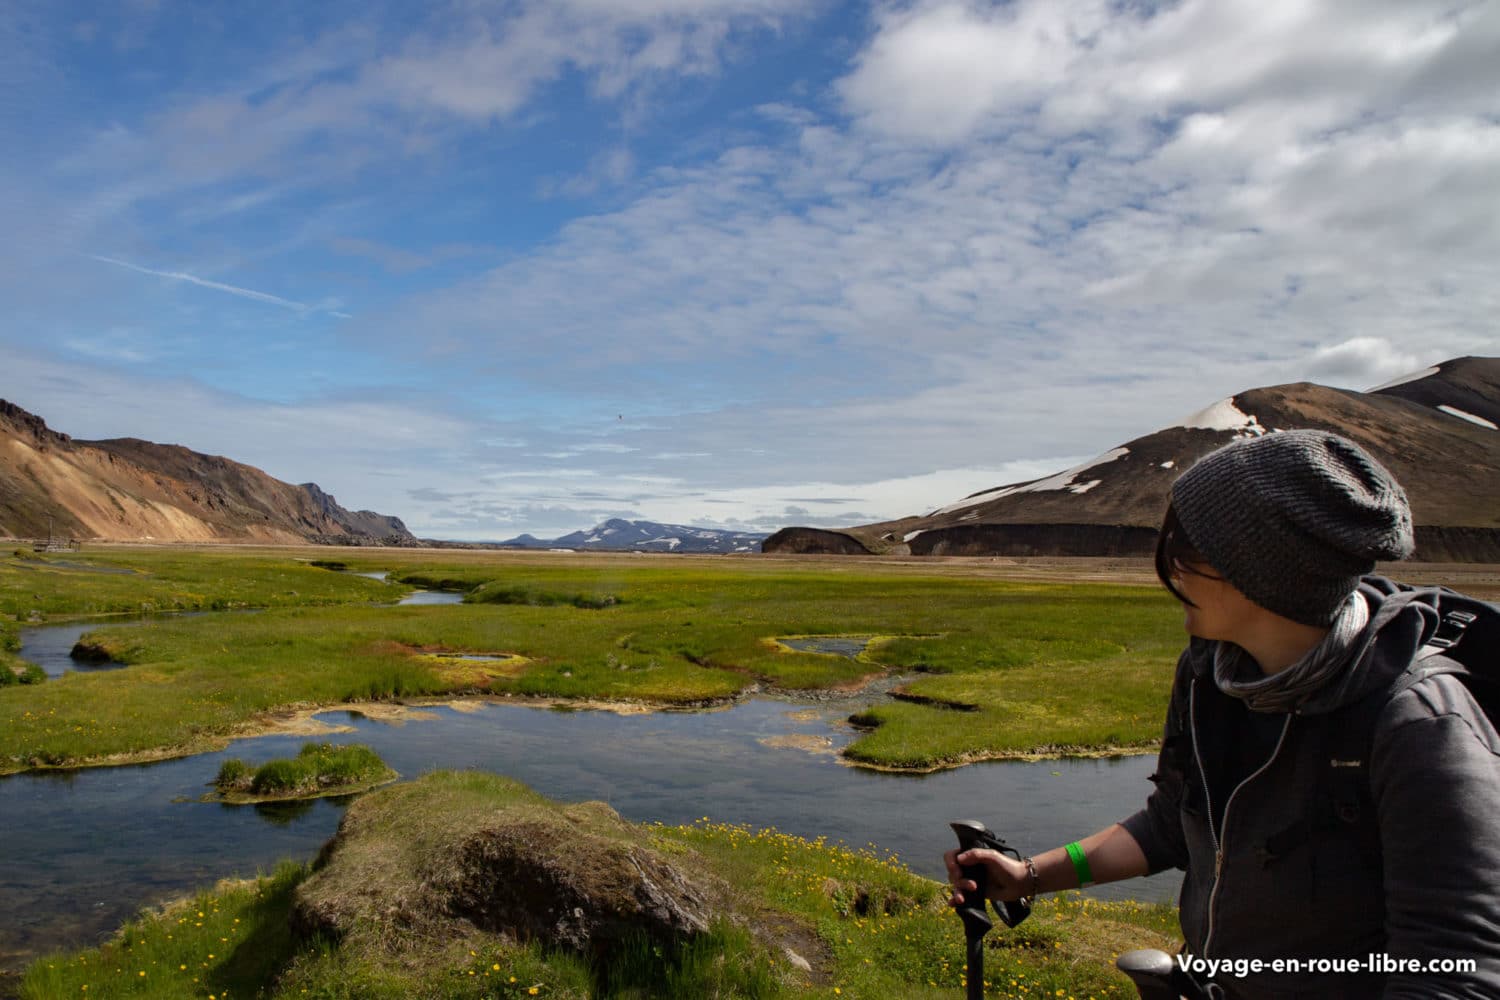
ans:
(1451, 629)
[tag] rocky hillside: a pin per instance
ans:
(126, 489)
(1438, 430)
(645, 536)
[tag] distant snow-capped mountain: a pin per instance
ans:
(646, 536)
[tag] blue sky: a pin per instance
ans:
(525, 265)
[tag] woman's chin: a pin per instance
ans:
(1194, 626)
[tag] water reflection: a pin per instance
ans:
(833, 645)
(433, 597)
(285, 813)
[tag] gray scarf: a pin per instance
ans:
(1239, 676)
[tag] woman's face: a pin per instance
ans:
(1222, 612)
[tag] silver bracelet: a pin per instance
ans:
(1036, 880)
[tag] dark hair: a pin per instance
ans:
(1175, 553)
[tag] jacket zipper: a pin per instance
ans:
(1213, 895)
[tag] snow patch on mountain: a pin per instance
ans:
(1454, 411)
(1225, 416)
(1061, 481)
(1409, 377)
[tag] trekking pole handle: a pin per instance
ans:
(972, 834)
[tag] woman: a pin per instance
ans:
(1267, 544)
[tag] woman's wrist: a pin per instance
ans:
(1036, 880)
(1054, 873)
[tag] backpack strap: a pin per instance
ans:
(1449, 631)
(1341, 794)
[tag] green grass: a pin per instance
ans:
(227, 941)
(998, 667)
(13, 669)
(868, 927)
(47, 587)
(889, 933)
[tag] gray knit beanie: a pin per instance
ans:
(1293, 519)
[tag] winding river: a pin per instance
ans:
(87, 849)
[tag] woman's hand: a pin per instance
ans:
(1008, 878)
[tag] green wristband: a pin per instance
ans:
(1080, 864)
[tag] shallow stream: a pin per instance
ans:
(86, 849)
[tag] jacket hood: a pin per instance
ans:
(1402, 618)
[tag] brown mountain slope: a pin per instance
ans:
(127, 489)
(1434, 432)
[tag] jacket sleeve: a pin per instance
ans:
(1157, 828)
(1435, 777)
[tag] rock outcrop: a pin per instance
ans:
(816, 540)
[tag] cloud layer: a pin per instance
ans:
(711, 261)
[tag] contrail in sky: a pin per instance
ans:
(245, 293)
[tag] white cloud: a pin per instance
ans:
(1364, 361)
(1251, 76)
(936, 72)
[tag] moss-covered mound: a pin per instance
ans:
(454, 853)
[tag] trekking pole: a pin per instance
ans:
(971, 834)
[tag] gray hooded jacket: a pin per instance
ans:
(1433, 891)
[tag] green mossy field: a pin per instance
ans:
(989, 666)
(867, 927)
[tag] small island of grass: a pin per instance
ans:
(318, 770)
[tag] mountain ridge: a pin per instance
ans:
(1438, 430)
(129, 489)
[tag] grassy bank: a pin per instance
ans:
(997, 667)
(13, 669)
(865, 925)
